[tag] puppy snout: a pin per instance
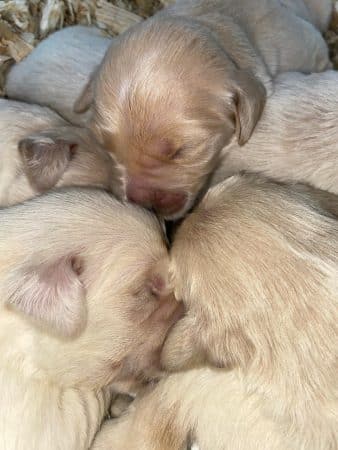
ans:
(139, 194)
(162, 201)
(166, 203)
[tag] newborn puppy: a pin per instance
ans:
(39, 150)
(200, 409)
(84, 309)
(317, 12)
(57, 70)
(296, 138)
(320, 11)
(174, 90)
(256, 265)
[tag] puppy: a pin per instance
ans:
(256, 265)
(316, 12)
(84, 309)
(201, 409)
(296, 138)
(57, 70)
(173, 91)
(39, 150)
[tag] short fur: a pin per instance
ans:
(57, 70)
(78, 316)
(39, 150)
(256, 265)
(174, 90)
(296, 139)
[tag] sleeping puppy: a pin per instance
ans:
(201, 409)
(256, 265)
(173, 91)
(296, 139)
(314, 11)
(39, 150)
(84, 309)
(57, 70)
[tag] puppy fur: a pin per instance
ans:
(201, 409)
(57, 70)
(211, 63)
(296, 138)
(82, 312)
(39, 150)
(256, 265)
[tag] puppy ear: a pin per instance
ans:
(84, 101)
(51, 294)
(249, 102)
(45, 158)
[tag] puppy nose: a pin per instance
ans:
(139, 194)
(167, 202)
(163, 202)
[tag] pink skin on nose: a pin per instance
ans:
(164, 202)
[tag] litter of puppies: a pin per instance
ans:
(216, 119)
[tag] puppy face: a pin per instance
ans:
(165, 102)
(85, 282)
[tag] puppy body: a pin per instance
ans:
(39, 150)
(276, 29)
(256, 265)
(78, 314)
(55, 73)
(295, 140)
(212, 64)
(203, 409)
(261, 291)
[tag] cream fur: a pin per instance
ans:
(90, 165)
(56, 381)
(57, 70)
(212, 63)
(296, 138)
(256, 265)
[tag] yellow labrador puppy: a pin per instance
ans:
(84, 309)
(39, 150)
(296, 138)
(174, 90)
(56, 71)
(256, 265)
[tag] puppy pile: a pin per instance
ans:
(209, 115)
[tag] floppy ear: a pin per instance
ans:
(83, 103)
(249, 102)
(45, 158)
(51, 294)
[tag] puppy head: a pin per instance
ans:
(87, 280)
(67, 156)
(167, 100)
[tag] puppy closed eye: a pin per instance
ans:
(178, 153)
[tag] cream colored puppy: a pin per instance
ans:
(57, 70)
(39, 150)
(84, 309)
(174, 90)
(256, 265)
(200, 409)
(297, 136)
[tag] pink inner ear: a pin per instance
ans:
(51, 294)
